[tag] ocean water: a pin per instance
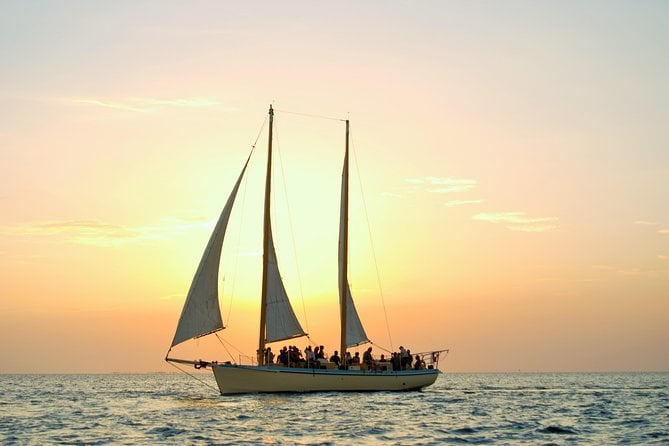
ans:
(516, 408)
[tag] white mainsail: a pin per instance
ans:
(281, 321)
(201, 314)
(355, 333)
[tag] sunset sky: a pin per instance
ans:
(513, 160)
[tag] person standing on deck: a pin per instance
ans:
(404, 358)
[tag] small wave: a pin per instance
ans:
(635, 421)
(477, 412)
(657, 435)
(558, 430)
(457, 440)
(465, 430)
(166, 431)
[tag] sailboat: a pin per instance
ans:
(201, 316)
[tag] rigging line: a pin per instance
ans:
(380, 347)
(259, 133)
(371, 242)
(311, 340)
(241, 225)
(224, 347)
(309, 115)
(230, 344)
(292, 231)
(192, 376)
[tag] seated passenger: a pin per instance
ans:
(383, 363)
(355, 360)
(335, 358)
(295, 357)
(419, 363)
(283, 357)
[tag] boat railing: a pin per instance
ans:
(247, 360)
(431, 359)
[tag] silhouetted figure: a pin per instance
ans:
(335, 358)
(367, 358)
(395, 360)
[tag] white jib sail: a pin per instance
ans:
(281, 322)
(201, 314)
(355, 333)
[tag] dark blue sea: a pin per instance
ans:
(514, 408)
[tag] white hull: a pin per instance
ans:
(253, 379)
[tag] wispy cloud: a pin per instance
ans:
(662, 257)
(443, 185)
(664, 231)
(633, 271)
(110, 104)
(172, 296)
(97, 233)
(434, 185)
(510, 217)
(149, 105)
(449, 189)
(454, 203)
(646, 223)
(520, 221)
(639, 272)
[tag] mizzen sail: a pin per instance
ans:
(201, 314)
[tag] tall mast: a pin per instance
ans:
(343, 286)
(267, 234)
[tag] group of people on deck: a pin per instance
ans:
(316, 358)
